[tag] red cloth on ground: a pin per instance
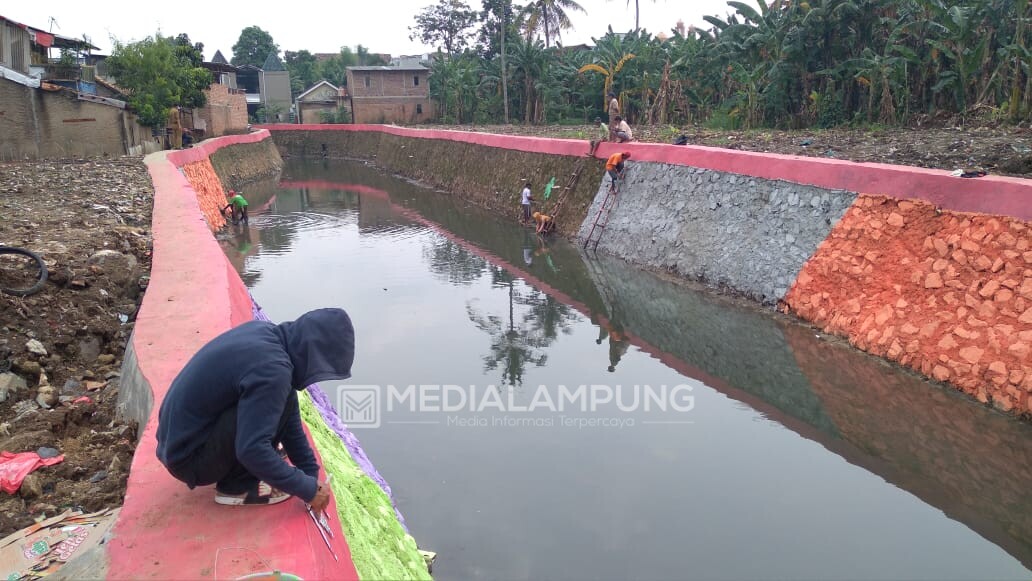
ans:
(15, 467)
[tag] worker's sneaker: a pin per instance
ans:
(261, 493)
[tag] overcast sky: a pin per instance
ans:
(382, 25)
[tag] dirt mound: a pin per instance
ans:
(1001, 150)
(90, 221)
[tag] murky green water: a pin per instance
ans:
(779, 454)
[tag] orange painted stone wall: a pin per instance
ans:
(210, 195)
(946, 293)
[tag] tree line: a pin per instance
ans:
(777, 63)
(783, 63)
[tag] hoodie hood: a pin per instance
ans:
(321, 346)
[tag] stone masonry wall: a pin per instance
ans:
(208, 188)
(946, 293)
(450, 165)
(749, 234)
(229, 168)
(245, 163)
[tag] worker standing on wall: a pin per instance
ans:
(235, 402)
(615, 167)
(613, 109)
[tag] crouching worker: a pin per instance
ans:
(615, 167)
(239, 205)
(545, 223)
(235, 402)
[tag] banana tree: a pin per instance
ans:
(609, 59)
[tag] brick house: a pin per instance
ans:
(225, 111)
(320, 99)
(390, 94)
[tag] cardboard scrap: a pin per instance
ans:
(41, 549)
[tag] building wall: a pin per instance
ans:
(310, 112)
(401, 110)
(391, 97)
(276, 91)
(43, 124)
(388, 83)
(225, 112)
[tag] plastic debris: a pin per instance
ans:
(15, 467)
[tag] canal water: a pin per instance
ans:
(541, 415)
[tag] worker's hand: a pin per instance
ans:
(322, 498)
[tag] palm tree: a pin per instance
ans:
(528, 63)
(550, 17)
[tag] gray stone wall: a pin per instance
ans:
(748, 234)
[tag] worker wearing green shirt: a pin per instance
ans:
(239, 205)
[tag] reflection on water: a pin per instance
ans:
(803, 458)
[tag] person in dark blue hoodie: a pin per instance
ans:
(235, 402)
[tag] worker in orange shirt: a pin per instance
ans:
(545, 223)
(615, 166)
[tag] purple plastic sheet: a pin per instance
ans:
(329, 415)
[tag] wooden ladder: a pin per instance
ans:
(601, 219)
(571, 183)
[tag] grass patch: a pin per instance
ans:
(380, 547)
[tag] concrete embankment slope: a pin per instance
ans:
(488, 170)
(166, 531)
(926, 269)
(929, 270)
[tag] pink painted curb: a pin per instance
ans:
(1000, 195)
(166, 531)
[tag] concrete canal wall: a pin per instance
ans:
(167, 531)
(929, 270)
(489, 170)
